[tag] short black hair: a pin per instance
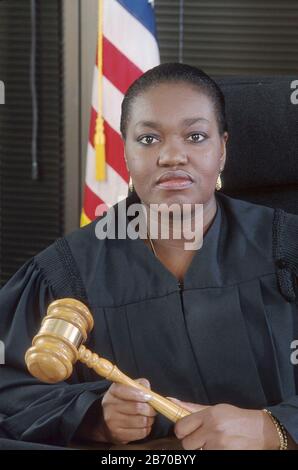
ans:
(174, 72)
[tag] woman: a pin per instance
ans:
(208, 326)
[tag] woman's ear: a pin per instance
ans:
(223, 150)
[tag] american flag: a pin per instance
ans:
(127, 47)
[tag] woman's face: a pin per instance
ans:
(173, 147)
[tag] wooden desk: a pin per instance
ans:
(169, 443)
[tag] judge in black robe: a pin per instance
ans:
(227, 336)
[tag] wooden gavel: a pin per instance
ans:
(59, 344)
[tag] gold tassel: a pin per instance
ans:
(100, 151)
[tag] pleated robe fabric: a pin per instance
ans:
(225, 337)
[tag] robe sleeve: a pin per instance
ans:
(30, 410)
(285, 251)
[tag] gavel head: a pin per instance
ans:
(55, 347)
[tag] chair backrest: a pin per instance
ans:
(262, 157)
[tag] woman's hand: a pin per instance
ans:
(126, 415)
(225, 427)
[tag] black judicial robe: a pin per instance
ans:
(225, 338)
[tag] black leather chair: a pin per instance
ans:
(262, 160)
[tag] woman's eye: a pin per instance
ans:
(147, 139)
(196, 137)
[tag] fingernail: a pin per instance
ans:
(144, 382)
(145, 396)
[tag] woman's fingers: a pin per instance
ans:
(189, 424)
(135, 408)
(134, 422)
(126, 392)
(126, 412)
(144, 382)
(194, 441)
(192, 407)
(130, 400)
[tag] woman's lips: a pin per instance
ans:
(174, 180)
(175, 183)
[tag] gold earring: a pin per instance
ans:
(218, 185)
(130, 185)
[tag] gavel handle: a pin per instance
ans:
(106, 369)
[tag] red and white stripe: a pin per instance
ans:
(129, 49)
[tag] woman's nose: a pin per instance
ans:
(172, 156)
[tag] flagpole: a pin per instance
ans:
(181, 30)
(128, 41)
(99, 140)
